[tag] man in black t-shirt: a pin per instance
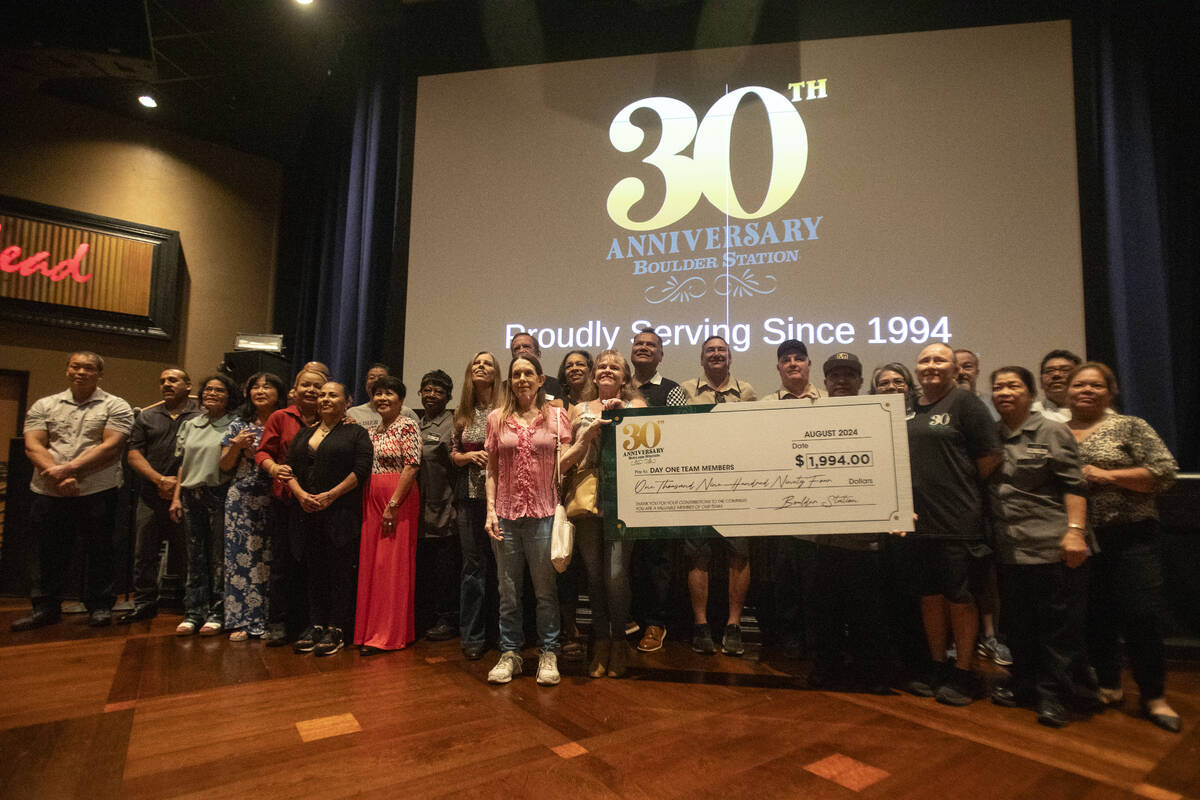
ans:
(953, 447)
(152, 456)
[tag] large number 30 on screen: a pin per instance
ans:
(707, 172)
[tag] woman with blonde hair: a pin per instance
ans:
(606, 560)
(481, 391)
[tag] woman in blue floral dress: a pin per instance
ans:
(247, 506)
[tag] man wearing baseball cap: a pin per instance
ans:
(791, 359)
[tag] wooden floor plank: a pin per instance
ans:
(206, 718)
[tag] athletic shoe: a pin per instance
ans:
(330, 643)
(996, 650)
(308, 640)
(652, 639)
(508, 667)
(702, 641)
(547, 674)
(731, 642)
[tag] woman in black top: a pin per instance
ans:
(331, 464)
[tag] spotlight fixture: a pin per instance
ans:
(148, 101)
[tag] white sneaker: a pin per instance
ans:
(508, 666)
(547, 674)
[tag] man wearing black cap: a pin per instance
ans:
(792, 559)
(794, 366)
(846, 614)
(717, 386)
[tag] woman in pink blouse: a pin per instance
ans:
(523, 440)
(387, 556)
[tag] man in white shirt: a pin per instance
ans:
(1056, 366)
(366, 414)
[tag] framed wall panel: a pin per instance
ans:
(77, 270)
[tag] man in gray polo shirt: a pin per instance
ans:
(75, 439)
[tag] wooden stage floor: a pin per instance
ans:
(132, 711)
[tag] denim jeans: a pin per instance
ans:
(477, 600)
(204, 521)
(526, 541)
(607, 562)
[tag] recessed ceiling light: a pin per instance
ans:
(304, 2)
(148, 101)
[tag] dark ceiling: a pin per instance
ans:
(246, 74)
(250, 74)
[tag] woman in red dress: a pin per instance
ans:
(391, 507)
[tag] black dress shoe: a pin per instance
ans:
(441, 632)
(1052, 714)
(474, 652)
(138, 615)
(99, 618)
(38, 619)
(368, 650)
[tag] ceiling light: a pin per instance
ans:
(148, 101)
(304, 2)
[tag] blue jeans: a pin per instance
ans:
(477, 601)
(607, 562)
(204, 521)
(526, 541)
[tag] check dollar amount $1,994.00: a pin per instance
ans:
(836, 465)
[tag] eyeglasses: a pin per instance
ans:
(897, 382)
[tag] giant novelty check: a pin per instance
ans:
(839, 465)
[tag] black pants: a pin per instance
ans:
(156, 527)
(331, 562)
(58, 522)
(438, 582)
(1126, 601)
(653, 568)
(793, 565)
(846, 615)
(287, 592)
(1045, 612)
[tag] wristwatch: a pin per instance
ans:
(393, 504)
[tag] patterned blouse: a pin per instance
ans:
(471, 482)
(1123, 442)
(396, 447)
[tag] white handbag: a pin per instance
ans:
(562, 536)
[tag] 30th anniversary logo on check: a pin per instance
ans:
(839, 465)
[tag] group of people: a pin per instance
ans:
(1035, 521)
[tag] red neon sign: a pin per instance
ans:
(39, 262)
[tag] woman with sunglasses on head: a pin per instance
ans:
(607, 560)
